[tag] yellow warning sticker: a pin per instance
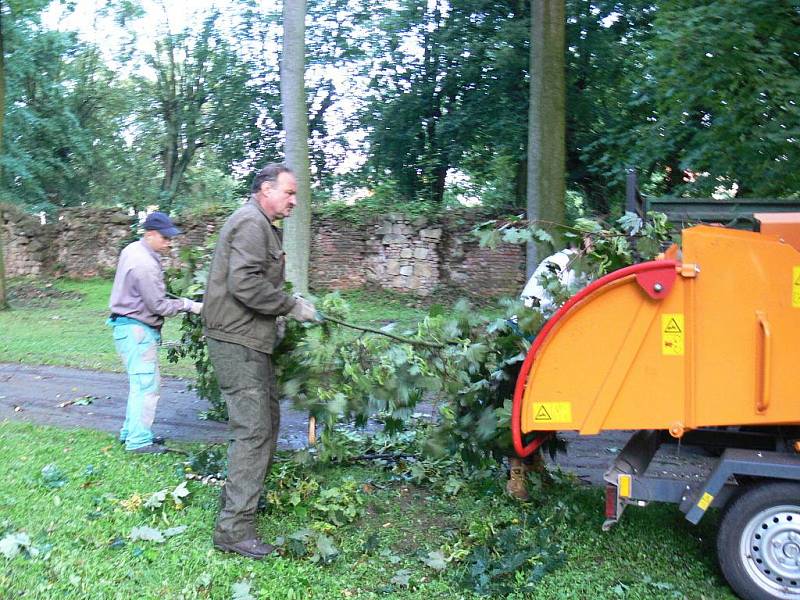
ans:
(552, 412)
(705, 501)
(796, 287)
(672, 330)
(624, 486)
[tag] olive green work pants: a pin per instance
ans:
(247, 381)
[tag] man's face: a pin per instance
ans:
(279, 198)
(158, 242)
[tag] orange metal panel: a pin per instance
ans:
(715, 347)
(784, 225)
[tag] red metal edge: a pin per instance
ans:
(657, 283)
(519, 389)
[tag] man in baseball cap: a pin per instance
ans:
(160, 222)
(138, 306)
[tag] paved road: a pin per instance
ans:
(42, 394)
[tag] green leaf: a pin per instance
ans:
(390, 556)
(517, 236)
(542, 236)
(12, 544)
(401, 578)
(241, 590)
(53, 477)
(173, 531)
(487, 424)
(156, 500)
(179, 493)
(631, 223)
(435, 560)
(325, 548)
(147, 534)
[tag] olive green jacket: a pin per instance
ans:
(244, 292)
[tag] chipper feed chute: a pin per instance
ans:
(712, 339)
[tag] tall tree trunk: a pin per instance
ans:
(169, 108)
(546, 124)
(297, 229)
(3, 301)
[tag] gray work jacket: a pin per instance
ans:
(138, 291)
(245, 291)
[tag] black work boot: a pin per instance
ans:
(255, 548)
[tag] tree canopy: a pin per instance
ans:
(425, 101)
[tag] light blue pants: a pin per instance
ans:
(137, 346)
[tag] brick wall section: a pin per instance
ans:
(338, 256)
(481, 271)
(470, 269)
(393, 252)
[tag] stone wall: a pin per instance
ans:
(27, 245)
(393, 252)
(413, 255)
(80, 243)
(89, 241)
(404, 254)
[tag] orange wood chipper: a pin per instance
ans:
(700, 346)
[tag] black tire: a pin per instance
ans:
(758, 544)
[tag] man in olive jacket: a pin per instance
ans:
(244, 295)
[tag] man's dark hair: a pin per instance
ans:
(268, 173)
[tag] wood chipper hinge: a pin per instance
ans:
(688, 270)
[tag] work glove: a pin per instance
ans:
(303, 310)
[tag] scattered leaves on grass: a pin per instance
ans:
(198, 588)
(13, 544)
(371, 544)
(512, 557)
(211, 461)
(147, 534)
(133, 503)
(390, 556)
(340, 505)
(157, 500)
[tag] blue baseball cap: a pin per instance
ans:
(160, 222)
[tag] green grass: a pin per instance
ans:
(68, 331)
(66, 326)
(382, 307)
(85, 531)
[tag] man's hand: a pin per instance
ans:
(192, 306)
(303, 310)
(280, 330)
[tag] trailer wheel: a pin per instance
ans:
(758, 544)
